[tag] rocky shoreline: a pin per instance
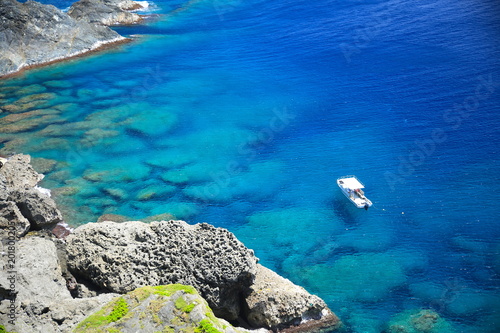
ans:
(55, 283)
(33, 34)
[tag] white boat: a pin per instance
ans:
(353, 190)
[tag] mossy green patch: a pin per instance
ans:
(110, 313)
(172, 288)
(183, 305)
(206, 326)
(145, 304)
(142, 293)
(189, 329)
(119, 310)
(210, 315)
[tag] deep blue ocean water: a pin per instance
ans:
(243, 114)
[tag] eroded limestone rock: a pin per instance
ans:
(125, 256)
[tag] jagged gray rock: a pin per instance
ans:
(276, 302)
(23, 205)
(43, 302)
(37, 207)
(12, 223)
(125, 256)
(19, 173)
(32, 34)
(107, 12)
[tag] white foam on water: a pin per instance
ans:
(43, 190)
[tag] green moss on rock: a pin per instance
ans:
(119, 310)
(156, 309)
(183, 305)
(170, 289)
(206, 326)
(112, 312)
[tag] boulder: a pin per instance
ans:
(39, 277)
(124, 256)
(38, 208)
(170, 308)
(22, 202)
(106, 12)
(19, 173)
(275, 302)
(32, 34)
(12, 222)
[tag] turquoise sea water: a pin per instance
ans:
(243, 114)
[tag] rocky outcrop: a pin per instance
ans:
(275, 302)
(123, 256)
(24, 205)
(32, 34)
(53, 284)
(106, 12)
(170, 308)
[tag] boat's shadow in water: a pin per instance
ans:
(350, 215)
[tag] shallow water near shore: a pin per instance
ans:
(243, 114)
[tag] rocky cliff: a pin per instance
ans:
(52, 284)
(33, 34)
